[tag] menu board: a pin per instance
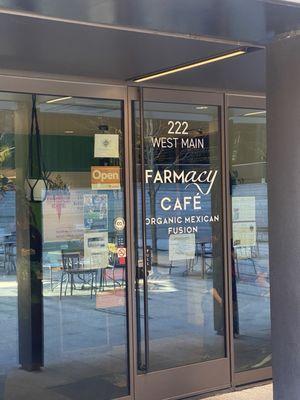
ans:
(182, 247)
(244, 234)
(96, 249)
(244, 221)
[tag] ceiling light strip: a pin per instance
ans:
(191, 65)
(254, 113)
(58, 99)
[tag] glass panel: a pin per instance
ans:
(184, 322)
(250, 253)
(14, 128)
(66, 243)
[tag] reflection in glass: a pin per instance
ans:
(250, 252)
(182, 298)
(63, 274)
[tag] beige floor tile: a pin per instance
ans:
(258, 393)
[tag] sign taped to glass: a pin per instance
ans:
(106, 146)
(105, 178)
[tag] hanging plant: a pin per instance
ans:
(36, 183)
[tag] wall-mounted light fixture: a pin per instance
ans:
(194, 64)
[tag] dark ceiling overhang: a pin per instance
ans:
(253, 21)
(115, 40)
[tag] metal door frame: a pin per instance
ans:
(184, 381)
(249, 102)
(57, 87)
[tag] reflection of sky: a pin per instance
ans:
(179, 111)
(174, 116)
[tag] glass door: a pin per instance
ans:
(63, 239)
(246, 119)
(181, 318)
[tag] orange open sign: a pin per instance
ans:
(105, 178)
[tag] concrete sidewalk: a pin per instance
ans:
(264, 392)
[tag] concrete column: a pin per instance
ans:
(283, 126)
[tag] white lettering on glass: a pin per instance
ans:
(189, 177)
(180, 127)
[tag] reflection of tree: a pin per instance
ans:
(58, 184)
(5, 153)
(154, 156)
(6, 184)
(152, 129)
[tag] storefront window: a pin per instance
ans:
(180, 301)
(250, 247)
(63, 277)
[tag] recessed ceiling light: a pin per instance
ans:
(201, 108)
(69, 131)
(194, 64)
(58, 99)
